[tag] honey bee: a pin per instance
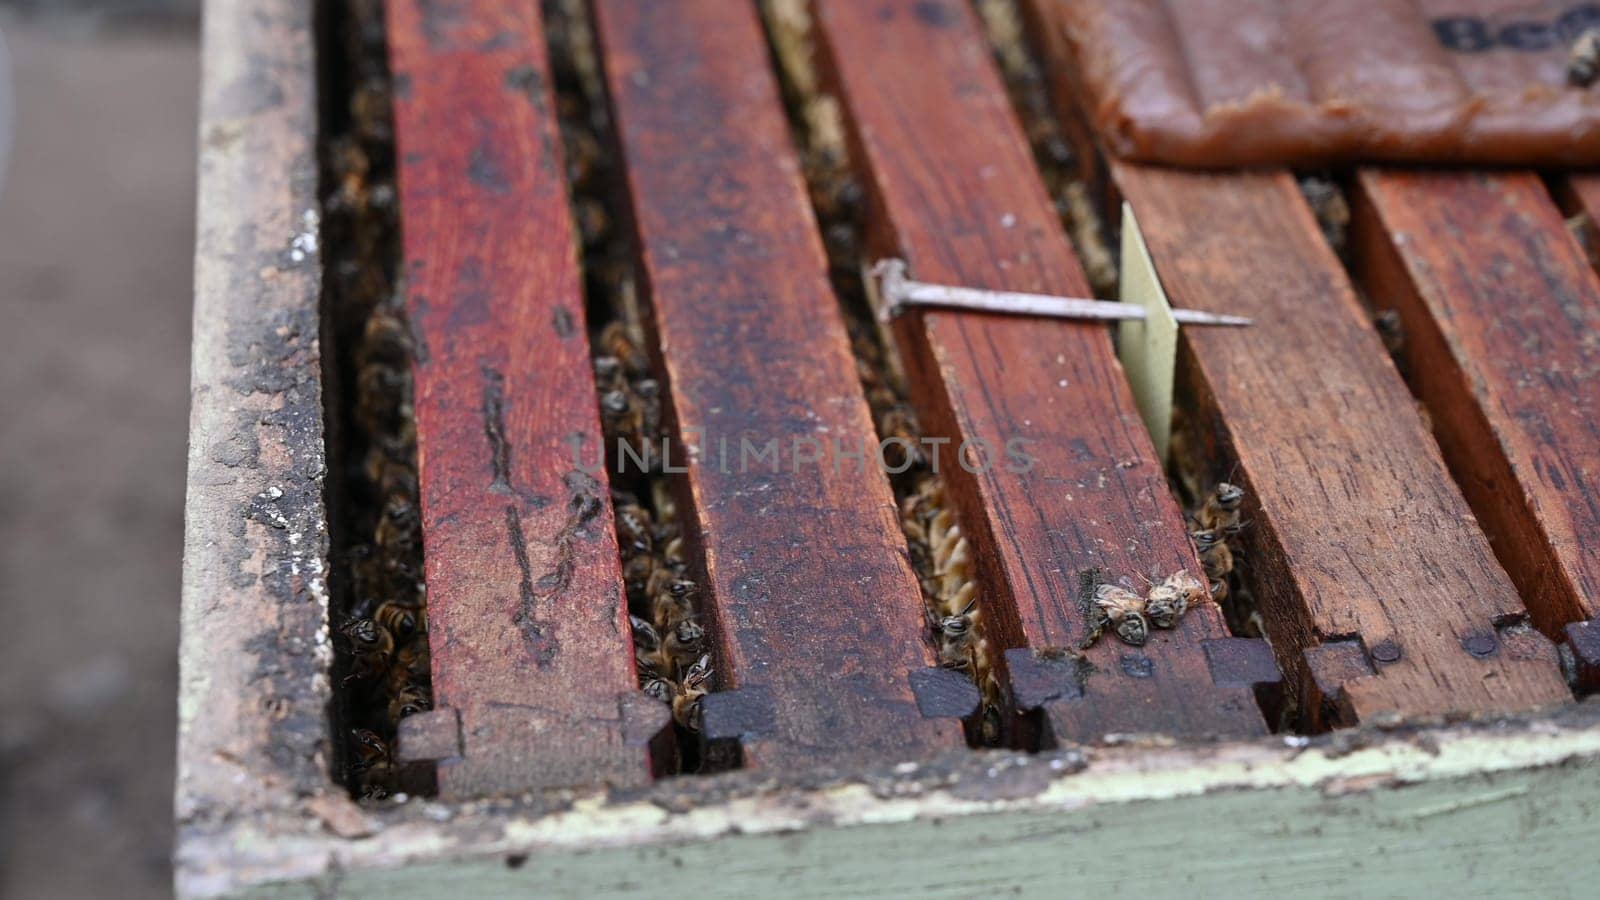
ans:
(607, 372)
(1123, 610)
(1214, 552)
(955, 630)
(899, 430)
(614, 341)
(635, 532)
(674, 603)
(386, 338)
(372, 643)
(1220, 512)
(686, 700)
(682, 643)
(404, 622)
(1583, 63)
(408, 701)
(399, 525)
(1166, 602)
(648, 393)
(371, 751)
(645, 636)
(619, 415)
(411, 664)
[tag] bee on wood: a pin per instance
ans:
(1391, 329)
(1165, 603)
(1121, 609)
(1220, 512)
(645, 637)
(1583, 63)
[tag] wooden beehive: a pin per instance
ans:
(1434, 736)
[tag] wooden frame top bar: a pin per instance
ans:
(955, 192)
(814, 606)
(1501, 315)
(532, 656)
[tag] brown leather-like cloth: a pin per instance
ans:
(1208, 83)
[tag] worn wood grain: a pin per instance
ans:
(954, 192)
(1501, 317)
(813, 604)
(1379, 591)
(531, 647)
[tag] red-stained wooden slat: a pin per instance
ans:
(1501, 316)
(813, 604)
(531, 653)
(1377, 588)
(955, 192)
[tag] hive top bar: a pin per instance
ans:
(1214, 83)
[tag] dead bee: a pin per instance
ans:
(1220, 512)
(1123, 610)
(1583, 63)
(1165, 603)
(404, 622)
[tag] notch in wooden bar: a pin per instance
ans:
(953, 191)
(1500, 314)
(531, 651)
(1373, 579)
(815, 611)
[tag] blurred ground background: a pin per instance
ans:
(96, 238)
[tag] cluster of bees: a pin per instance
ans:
(668, 639)
(382, 633)
(1131, 615)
